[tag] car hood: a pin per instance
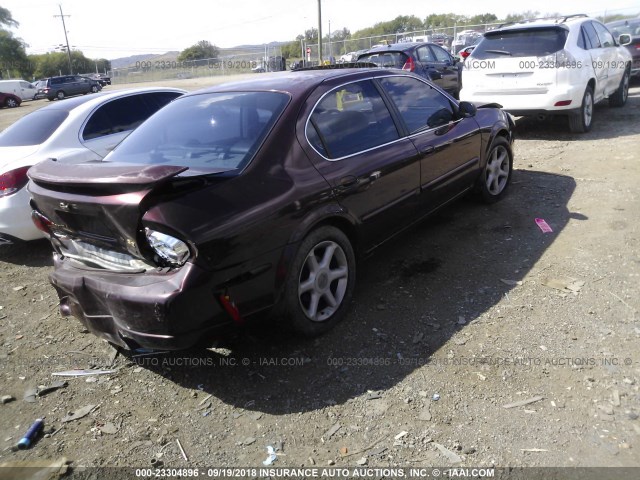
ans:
(14, 157)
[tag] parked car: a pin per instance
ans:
(630, 27)
(69, 85)
(425, 59)
(257, 196)
(9, 100)
(84, 128)
(40, 89)
(20, 88)
(559, 66)
(465, 52)
(466, 38)
(103, 80)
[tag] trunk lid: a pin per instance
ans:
(95, 209)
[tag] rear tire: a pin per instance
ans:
(320, 282)
(619, 97)
(581, 122)
(10, 103)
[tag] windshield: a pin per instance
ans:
(531, 42)
(32, 129)
(207, 131)
(385, 59)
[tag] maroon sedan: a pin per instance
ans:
(256, 197)
(9, 100)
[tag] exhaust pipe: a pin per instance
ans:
(541, 117)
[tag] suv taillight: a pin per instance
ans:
(409, 65)
(560, 59)
(13, 181)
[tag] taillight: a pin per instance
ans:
(464, 54)
(409, 65)
(41, 222)
(13, 181)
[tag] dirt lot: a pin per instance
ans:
(451, 325)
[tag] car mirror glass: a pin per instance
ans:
(624, 39)
(466, 110)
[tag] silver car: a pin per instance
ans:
(82, 128)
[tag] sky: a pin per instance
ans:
(119, 28)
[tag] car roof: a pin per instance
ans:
(70, 104)
(546, 22)
(293, 82)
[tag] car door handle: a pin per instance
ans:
(427, 150)
(348, 181)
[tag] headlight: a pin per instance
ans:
(173, 251)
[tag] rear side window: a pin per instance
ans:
(590, 35)
(533, 42)
(32, 129)
(124, 114)
(440, 54)
(385, 59)
(420, 105)
(350, 119)
(215, 130)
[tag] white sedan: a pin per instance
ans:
(82, 128)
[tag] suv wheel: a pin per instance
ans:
(60, 95)
(619, 97)
(581, 122)
(320, 283)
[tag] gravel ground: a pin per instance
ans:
(475, 340)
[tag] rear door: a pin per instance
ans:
(449, 147)
(353, 141)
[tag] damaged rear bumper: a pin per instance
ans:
(158, 310)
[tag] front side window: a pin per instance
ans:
(350, 119)
(420, 105)
(606, 39)
(532, 42)
(206, 131)
(441, 55)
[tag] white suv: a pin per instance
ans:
(559, 66)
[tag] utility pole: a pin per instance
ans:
(320, 32)
(66, 38)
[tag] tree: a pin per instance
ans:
(518, 17)
(13, 57)
(6, 19)
(200, 51)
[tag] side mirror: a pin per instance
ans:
(624, 39)
(466, 110)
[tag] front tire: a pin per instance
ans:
(320, 282)
(60, 95)
(94, 89)
(582, 121)
(496, 176)
(619, 97)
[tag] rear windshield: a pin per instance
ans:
(215, 130)
(532, 42)
(385, 59)
(32, 129)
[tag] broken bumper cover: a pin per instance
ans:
(160, 310)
